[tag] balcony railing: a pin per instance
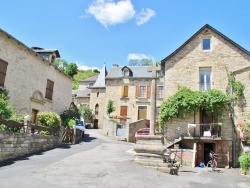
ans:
(205, 86)
(211, 130)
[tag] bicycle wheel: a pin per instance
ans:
(211, 165)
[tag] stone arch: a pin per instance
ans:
(37, 96)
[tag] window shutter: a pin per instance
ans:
(49, 89)
(123, 110)
(125, 91)
(148, 91)
(3, 69)
(137, 91)
(122, 92)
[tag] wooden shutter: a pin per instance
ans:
(137, 91)
(123, 110)
(148, 91)
(122, 92)
(3, 69)
(125, 91)
(49, 89)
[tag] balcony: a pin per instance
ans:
(196, 131)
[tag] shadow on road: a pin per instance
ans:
(87, 138)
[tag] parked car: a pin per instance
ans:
(142, 131)
(81, 125)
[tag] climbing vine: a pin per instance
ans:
(237, 87)
(186, 101)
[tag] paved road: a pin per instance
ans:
(99, 161)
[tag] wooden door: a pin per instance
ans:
(200, 153)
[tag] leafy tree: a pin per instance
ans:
(140, 62)
(86, 112)
(71, 69)
(61, 64)
(96, 71)
(110, 107)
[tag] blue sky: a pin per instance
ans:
(91, 32)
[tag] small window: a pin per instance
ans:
(96, 109)
(49, 89)
(143, 91)
(205, 79)
(91, 84)
(126, 72)
(160, 92)
(206, 44)
(97, 94)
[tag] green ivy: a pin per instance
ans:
(237, 87)
(244, 160)
(186, 101)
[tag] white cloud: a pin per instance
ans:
(108, 12)
(84, 67)
(144, 16)
(138, 56)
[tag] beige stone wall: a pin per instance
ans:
(100, 100)
(27, 73)
(113, 92)
(183, 69)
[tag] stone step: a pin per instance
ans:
(154, 164)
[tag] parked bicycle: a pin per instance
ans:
(212, 164)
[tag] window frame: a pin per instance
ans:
(160, 93)
(204, 39)
(205, 85)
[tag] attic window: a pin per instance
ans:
(206, 44)
(126, 72)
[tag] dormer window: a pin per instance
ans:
(206, 44)
(126, 72)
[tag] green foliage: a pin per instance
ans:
(61, 64)
(6, 109)
(81, 75)
(140, 62)
(110, 107)
(45, 133)
(96, 71)
(69, 114)
(186, 101)
(237, 87)
(71, 123)
(71, 69)
(86, 112)
(244, 160)
(49, 119)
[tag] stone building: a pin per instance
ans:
(97, 98)
(129, 88)
(81, 96)
(31, 79)
(203, 63)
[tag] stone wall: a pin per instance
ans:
(14, 144)
(27, 74)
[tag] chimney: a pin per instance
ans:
(115, 65)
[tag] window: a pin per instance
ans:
(142, 112)
(206, 44)
(124, 91)
(96, 109)
(91, 84)
(205, 79)
(49, 89)
(3, 70)
(123, 112)
(158, 110)
(143, 91)
(97, 94)
(126, 72)
(160, 92)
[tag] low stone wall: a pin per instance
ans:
(133, 127)
(14, 144)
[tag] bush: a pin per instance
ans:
(71, 123)
(244, 160)
(49, 119)
(6, 109)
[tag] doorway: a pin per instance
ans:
(95, 123)
(207, 148)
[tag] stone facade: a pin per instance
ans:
(182, 68)
(27, 76)
(115, 82)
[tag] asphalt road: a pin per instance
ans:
(99, 161)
